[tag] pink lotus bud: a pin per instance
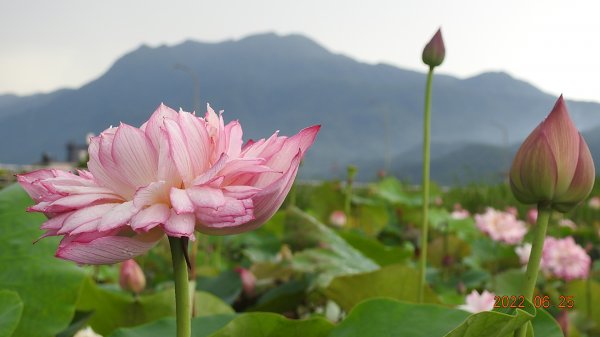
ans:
(434, 51)
(553, 165)
(532, 215)
(248, 281)
(337, 218)
(132, 277)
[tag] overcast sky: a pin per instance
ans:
(46, 45)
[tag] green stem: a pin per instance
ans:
(182, 294)
(535, 258)
(425, 223)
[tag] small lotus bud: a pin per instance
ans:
(554, 165)
(532, 215)
(248, 281)
(435, 51)
(337, 218)
(132, 277)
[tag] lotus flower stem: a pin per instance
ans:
(533, 266)
(182, 294)
(425, 223)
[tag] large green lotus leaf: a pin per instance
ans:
(207, 304)
(273, 325)
(383, 255)
(494, 323)
(47, 286)
(395, 281)
(11, 308)
(509, 282)
(371, 219)
(586, 297)
(114, 309)
(544, 325)
(391, 318)
(335, 257)
(166, 327)
(391, 190)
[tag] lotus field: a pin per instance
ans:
(182, 227)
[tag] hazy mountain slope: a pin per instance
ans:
(272, 82)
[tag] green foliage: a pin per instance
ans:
(394, 281)
(387, 317)
(201, 327)
(273, 325)
(47, 286)
(11, 308)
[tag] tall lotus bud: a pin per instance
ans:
(132, 277)
(554, 165)
(435, 51)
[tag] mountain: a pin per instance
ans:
(370, 113)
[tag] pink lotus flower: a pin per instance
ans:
(476, 302)
(501, 226)
(131, 277)
(175, 174)
(562, 258)
(554, 164)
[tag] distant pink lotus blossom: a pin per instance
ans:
(561, 258)
(501, 226)
(175, 174)
(476, 302)
(459, 213)
(338, 218)
(594, 202)
(567, 223)
(564, 258)
(523, 252)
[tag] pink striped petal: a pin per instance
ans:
(180, 201)
(281, 160)
(135, 156)
(178, 150)
(78, 201)
(55, 222)
(212, 171)
(103, 167)
(203, 196)
(150, 217)
(197, 141)
(228, 219)
(233, 132)
(152, 128)
(179, 225)
(155, 193)
(104, 250)
(240, 192)
(118, 216)
(85, 215)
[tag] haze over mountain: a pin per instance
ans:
(371, 114)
